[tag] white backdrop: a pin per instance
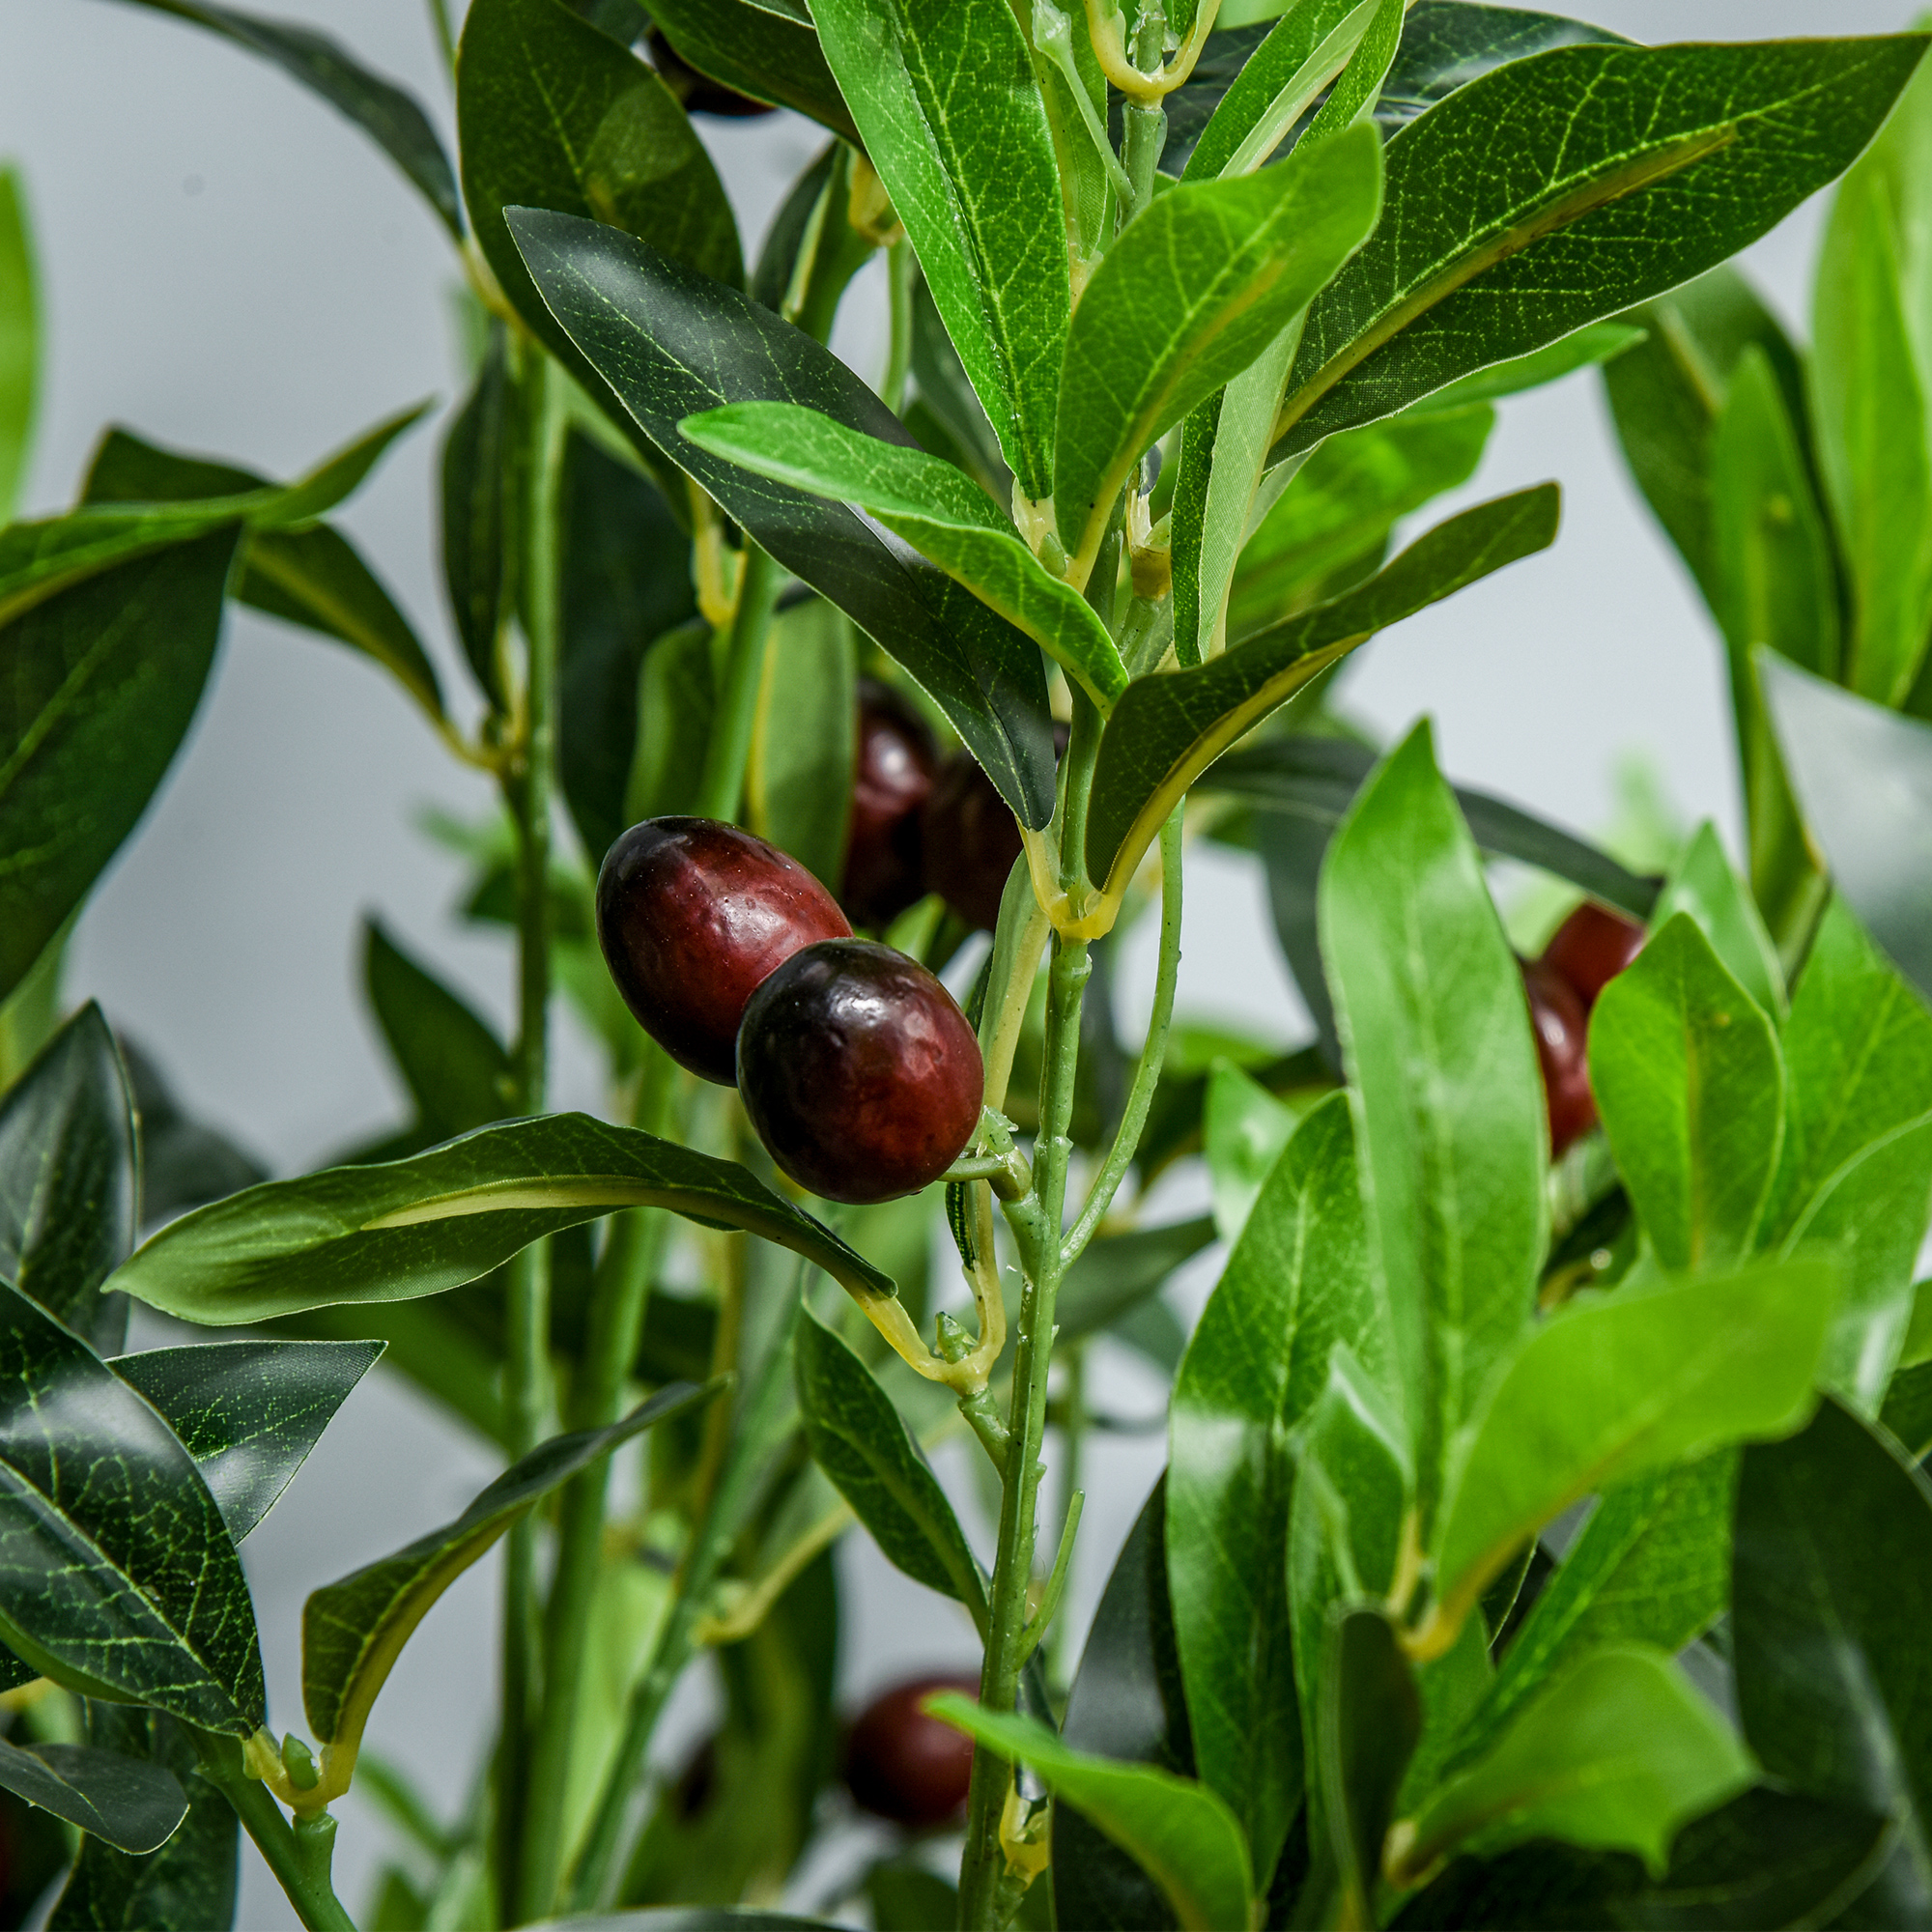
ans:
(229, 267)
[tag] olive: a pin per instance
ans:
(972, 838)
(697, 91)
(1591, 948)
(859, 1071)
(897, 758)
(1561, 1025)
(692, 916)
(903, 1765)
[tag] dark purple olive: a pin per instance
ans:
(1591, 948)
(896, 760)
(692, 915)
(859, 1071)
(698, 93)
(1561, 1025)
(902, 1765)
(972, 838)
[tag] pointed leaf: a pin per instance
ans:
(432, 1222)
(1370, 1724)
(249, 1412)
(19, 341)
(183, 1162)
(1707, 886)
(123, 1800)
(672, 344)
(1561, 190)
(479, 506)
(1112, 1278)
(770, 52)
(1243, 1129)
(457, 1070)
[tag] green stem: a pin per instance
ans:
(1074, 1440)
(722, 785)
(1142, 129)
(303, 1873)
(900, 269)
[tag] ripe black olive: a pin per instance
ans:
(902, 1765)
(972, 838)
(859, 1071)
(1591, 948)
(894, 766)
(692, 915)
(1560, 1023)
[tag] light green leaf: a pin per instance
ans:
(1449, 1109)
(1243, 1129)
(20, 342)
(1190, 294)
(935, 508)
(1183, 1836)
(798, 786)
(1706, 886)
(1618, 1753)
(1619, 1385)
(432, 1222)
(1689, 1079)
(1169, 727)
(970, 172)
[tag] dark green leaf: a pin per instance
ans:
(1833, 1555)
(1686, 1073)
(420, 1226)
(103, 682)
(798, 786)
(766, 51)
(1371, 1721)
(672, 344)
(677, 696)
(785, 255)
(907, 1897)
(125, 1802)
(1195, 289)
(1564, 189)
(182, 1163)
(1582, 349)
(391, 117)
(457, 1070)
(972, 175)
(859, 1440)
(118, 1575)
(940, 377)
(1863, 779)
(480, 504)
(1111, 1278)
(1168, 728)
(353, 1629)
(249, 1412)
(19, 341)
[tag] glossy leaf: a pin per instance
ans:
(1449, 1109)
(1616, 1385)
(1863, 779)
(67, 1177)
(1243, 1129)
(1197, 286)
(798, 785)
(457, 1070)
(1168, 728)
(673, 345)
(1371, 1721)
(103, 683)
(1688, 1076)
(1110, 1279)
(123, 1800)
(767, 52)
(391, 117)
(1619, 1753)
(1179, 1832)
(120, 1578)
(480, 505)
(942, 513)
(859, 1440)
(354, 1629)
(1296, 1283)
(972, 175)
(432, 1222)
(1834, 1549)
(249, 1412)
(19, 341)
(1559, 191)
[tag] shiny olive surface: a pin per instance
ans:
(1591, 948)
(859, 1071)
(1561, 1025)
(894, 766)
(902, 1765)
(692, 915)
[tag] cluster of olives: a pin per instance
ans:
(1584, 954)
(856, 1066)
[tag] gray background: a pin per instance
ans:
(231, 268)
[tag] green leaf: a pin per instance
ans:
(673, 345)
(1834, 1554)
(766, 51)
(1863, 779)
(1243, 1129)
(1619, 1753)
(1582, 349)
(1113, 1277)
(1183, 1836)
(19, 341)
(123, 1800)
(103, 683)
(939, 378)
(972, 175)
(678, 695)
(1168, 728)
(182, 1163)
(1449, 1108)
(479, 508)
(1616, 1385)
(249, 1412)
(457, 1070)
(798, 786)
(936, 508)
(1296, 1283)
(1369, 1725)
(117, 1575)
(859, 1440)
(354, 1629)
(1559, 191)
(388, 115)
(1706, 886)
(432, 1222)
(1688, 1076)
(67, 1177)
(1195, 289)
